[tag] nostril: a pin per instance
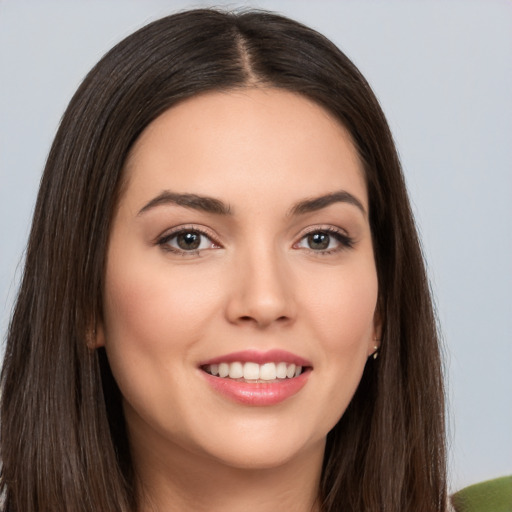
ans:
(259, 309)
(262, 321)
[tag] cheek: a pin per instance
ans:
(342, 306)
(152, 317)
(341, 309)
(153, 304)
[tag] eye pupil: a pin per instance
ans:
(318, 241)
(189, 240)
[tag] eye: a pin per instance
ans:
(325, 241)
(187, 241)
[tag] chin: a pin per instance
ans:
(260, 448)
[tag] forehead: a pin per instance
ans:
(268, 141)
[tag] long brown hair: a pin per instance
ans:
(63, 441)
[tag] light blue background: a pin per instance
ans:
(443, 72)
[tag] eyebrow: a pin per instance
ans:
(194, 201)
(212, 205)
(317, 203)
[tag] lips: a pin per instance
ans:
(259, 357)
(257, 378)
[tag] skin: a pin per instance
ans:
(255, 283)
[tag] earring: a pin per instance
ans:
(376, 352)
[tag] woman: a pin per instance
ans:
(224, 302)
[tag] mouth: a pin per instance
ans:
(257, 378)
(252, 372)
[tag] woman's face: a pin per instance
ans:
(241, 244)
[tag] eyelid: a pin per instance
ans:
(168, 234)
(323, 227)
(344, 239)
(188, 227)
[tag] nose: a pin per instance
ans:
(261, 291)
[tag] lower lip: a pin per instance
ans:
(258, 393)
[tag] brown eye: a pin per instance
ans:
(325, 241)
(318, 241)
(188, 240)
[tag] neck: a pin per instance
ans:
(176, 480)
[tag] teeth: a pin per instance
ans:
(251, 371)
(268, 371)
(281, 371)
(254, 371)
(223, 369)
(236, 371)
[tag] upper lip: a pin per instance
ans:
(260, 357)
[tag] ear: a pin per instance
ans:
(95, 337)
(374, 342)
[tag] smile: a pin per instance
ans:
(254, 372)
(257, 378)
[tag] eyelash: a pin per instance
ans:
(163, 241)
(345, 241)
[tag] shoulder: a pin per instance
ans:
(490, 496)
